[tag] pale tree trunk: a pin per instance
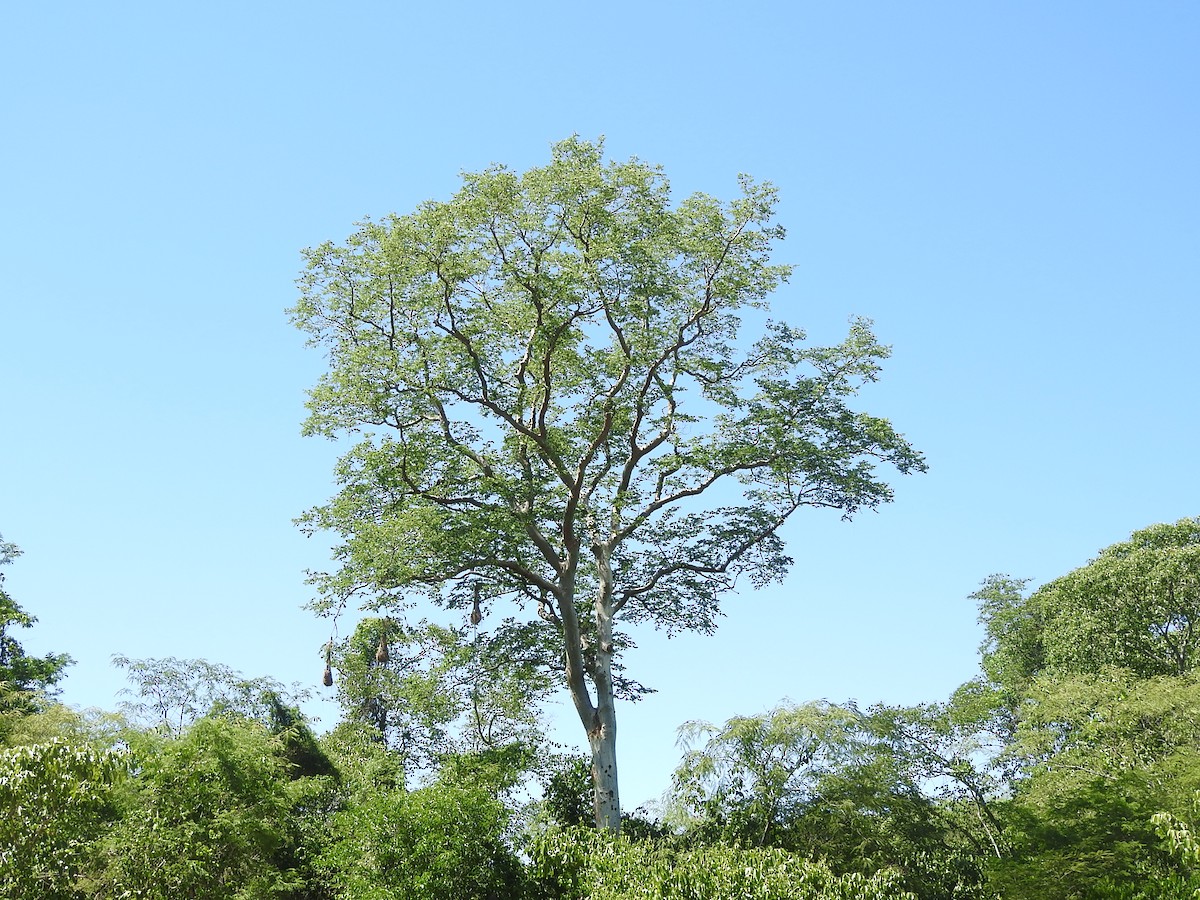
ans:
(603, 742)
(602, 735)
(599, 717)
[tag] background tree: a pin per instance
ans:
(1136, 606)
(888, 789)
(751, 775)
(172, 694)
(1099, 756)
(898, 789)
(555, 407)
(428, 692)
(1088, 696)
(25, 680)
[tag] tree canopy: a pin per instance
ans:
(1089, 685)
(554, 405)
(1136, 606)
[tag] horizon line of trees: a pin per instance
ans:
(1069, 767)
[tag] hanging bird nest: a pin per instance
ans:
(476, 614)
(381, 652)
(327, 677)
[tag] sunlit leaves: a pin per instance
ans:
(55, 799)
(25, 680)
(575, 863)
(1137, 605)
(1092, 681)
(532, 346)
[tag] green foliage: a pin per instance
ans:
(25, 681)
(55, 799)
(912, 798)
(1100, 755)
(439, 692)
(368, 837)
(1012, 651)
(566, 781)
(1179, 834)
(441, 842)
(1135, 607)
(174, 693)
(1109, 721)
(207, 815)
(887, 789)
(754, 772)
(364, 763)
(575, 864)
(298, 745)
(567, 792)
(1089, 685)
(54, 721)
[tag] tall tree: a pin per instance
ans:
(554, 406)
(173, 693)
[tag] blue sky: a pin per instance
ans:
(1010, 190)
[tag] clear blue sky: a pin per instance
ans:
(1011, 190)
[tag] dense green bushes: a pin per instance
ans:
(205, 815)
(573, 864)
(55, 803)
